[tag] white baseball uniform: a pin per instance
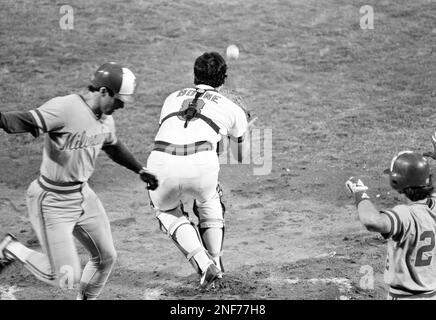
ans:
(185, 161)
(188, 172)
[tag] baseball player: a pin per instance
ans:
(60, 202)
(411, 266)
(184, 158)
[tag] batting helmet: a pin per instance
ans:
(409, 169)
(121, 81)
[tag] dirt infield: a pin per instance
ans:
(340, 101)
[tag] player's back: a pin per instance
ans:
(411, 265)
(227, 115)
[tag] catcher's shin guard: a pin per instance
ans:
(214, 250)
(216, 255)
(172, 229)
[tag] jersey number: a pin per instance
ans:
(420, 262)
(185, 105)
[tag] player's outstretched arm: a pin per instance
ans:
(19, 122)
(370, 217)
(119, 153)
(432, 154)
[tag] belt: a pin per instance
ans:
(182, 149)
(59, 187)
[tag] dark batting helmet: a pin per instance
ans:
(409, 169)
(120, 80)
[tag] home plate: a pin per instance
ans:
(7, 292)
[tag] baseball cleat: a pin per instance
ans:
(3, 244)
(209, 276)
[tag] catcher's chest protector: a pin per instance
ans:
(192, 112)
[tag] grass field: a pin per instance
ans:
(340, 101)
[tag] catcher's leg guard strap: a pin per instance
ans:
(190, 255)
(176, 224)
(211, 223)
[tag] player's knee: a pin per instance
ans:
(108, 259)
(111, 259)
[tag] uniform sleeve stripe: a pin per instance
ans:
(41, 118)
(37, 116)
(37, 120)
(398, 231)
(396, 219)
(388, 235)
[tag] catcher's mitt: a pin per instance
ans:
(237, 99)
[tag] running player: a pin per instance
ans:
(60, 202)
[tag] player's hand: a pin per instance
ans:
(357, 188)
(149, 179)
(354, 186)
(429, 153)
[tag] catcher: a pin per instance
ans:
(410, 267)
(184, 158)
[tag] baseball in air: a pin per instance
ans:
(232, 52)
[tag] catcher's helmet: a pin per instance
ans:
(121, 81)
(409, 169)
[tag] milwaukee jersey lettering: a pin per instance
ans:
(230, 118)
(411, 261)
(74, 137)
